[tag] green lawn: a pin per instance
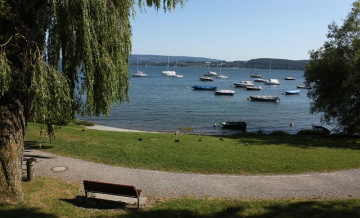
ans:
(52, 198)
(206, 154)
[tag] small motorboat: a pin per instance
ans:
(264, 98)
(243, 84)
(259, 80)
(272, 82)
(210, 73)
(222, 76)
(178, 76)
(292, 92)
(255, 75)
(303, 87)
(234, 125)
(206, 78)
(197, 87)
(139, 74)
(224, 92)
(253, 88)
(289, 78)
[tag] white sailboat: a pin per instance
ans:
(169, 72)
(138, 73)
(177, 75)
(220, 75)
(271, 81)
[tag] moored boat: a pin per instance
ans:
(206, 78)
(243, 84)
(292, 92)
(264, 98)
(255, 75)
(253, 88)
(210, 73)
(289, 78)
(303, 87)
(224, 92)
(234, 125)
(259, 80)
(272, 82)
(197, 87)
(139, 74)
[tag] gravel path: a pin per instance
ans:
(340, 184)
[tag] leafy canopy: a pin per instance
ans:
(334, 75)
(62, 57)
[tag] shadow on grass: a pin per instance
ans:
(34, 145)
(300, 141)
(95, 203)
(24, 212)
(298, 209)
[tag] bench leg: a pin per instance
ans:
(138, 203)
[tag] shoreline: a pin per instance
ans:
(115, 129)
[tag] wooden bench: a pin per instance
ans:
(112, 189)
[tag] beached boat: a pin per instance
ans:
(292, 92)
(224, 92)
(303, 87)
(289, 78)
(234, 125)
(206, 78)
(253, 88)
(197, 87)
(264, 98)
(243, 84)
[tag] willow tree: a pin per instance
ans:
(44, 44)
(334, 74)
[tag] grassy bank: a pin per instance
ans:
(52, 198)
(206, 154)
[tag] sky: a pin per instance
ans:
(233, 30)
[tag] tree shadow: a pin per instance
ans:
(25, 212)
(299, 141)
(34, 145)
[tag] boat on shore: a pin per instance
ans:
(292, 92)
(234, 125)
(198, 87)
(206, 78)
(243, 84)
(225, 92)
(253, 88)
(264, 98)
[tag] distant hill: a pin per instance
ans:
(259, 63)
(145, 59)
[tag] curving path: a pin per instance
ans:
(340, 184)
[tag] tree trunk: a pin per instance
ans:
(12, 132)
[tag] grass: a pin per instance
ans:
(53, 198)
(242, 154)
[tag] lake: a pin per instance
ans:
(163, 103)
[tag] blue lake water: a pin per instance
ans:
(162, 103)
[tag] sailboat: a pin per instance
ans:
(272, 81)
(210, 73)
(138, 73)
(169, 72)
(177, 75)
(220, 75)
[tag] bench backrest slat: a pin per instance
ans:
(110, 188)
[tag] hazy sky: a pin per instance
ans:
(238, 29)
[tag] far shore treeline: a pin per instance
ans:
(184, 61)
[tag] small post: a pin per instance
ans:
(30, 169)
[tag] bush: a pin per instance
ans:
(83, 123)
(278, 133)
